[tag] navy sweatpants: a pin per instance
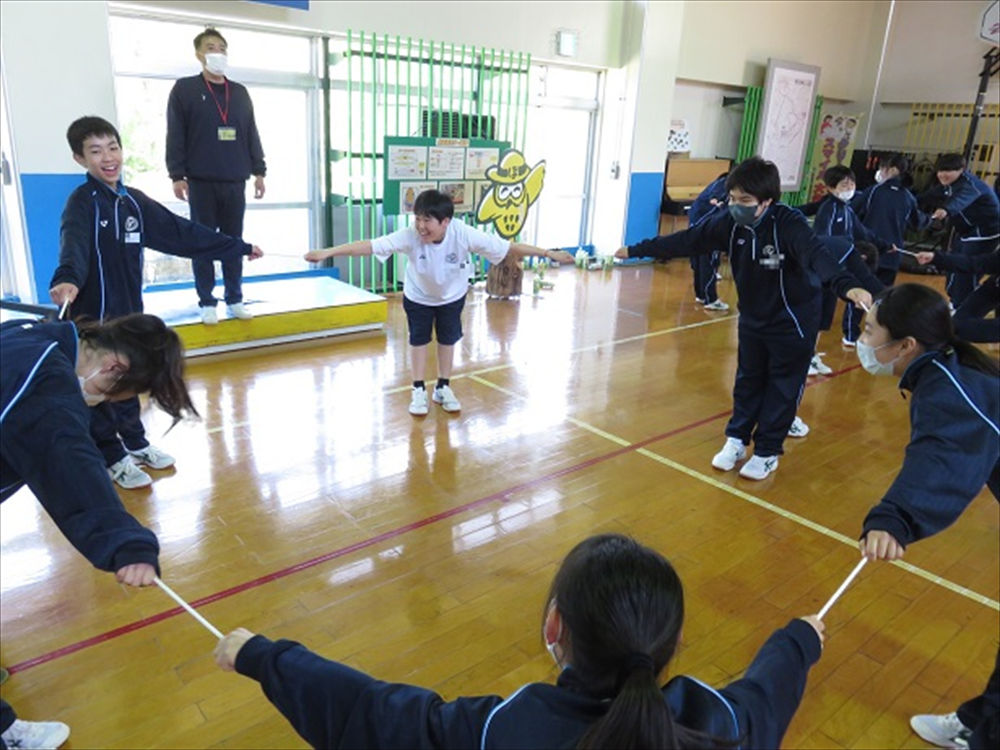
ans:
(111, 423)
(219, 206)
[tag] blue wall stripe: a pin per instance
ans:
(644, 198)
(44, 197)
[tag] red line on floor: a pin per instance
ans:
(502, 496)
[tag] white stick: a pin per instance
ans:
(906, 252)
(191, 611)
(62, 310)
(843, 587)
(270, 254)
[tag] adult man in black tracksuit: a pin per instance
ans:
(778, 265)
(212, 149)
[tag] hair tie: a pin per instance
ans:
(636, 661)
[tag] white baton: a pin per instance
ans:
(62, 310)
(170, 592)
(843, 587)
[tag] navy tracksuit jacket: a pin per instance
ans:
(704, 266)
(333, 706)
(887, 209)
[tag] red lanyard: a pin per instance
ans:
(223, 113)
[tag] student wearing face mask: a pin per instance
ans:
(778, 265)
(213, 148)
(612, 623)
(973, 210)
(49, 373)
(888, 208)
(954, 451)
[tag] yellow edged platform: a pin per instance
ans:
(284, 310)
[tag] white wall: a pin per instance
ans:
(522, 25)
(715, 129)
(57, 64)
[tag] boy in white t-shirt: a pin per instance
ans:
(439, 252)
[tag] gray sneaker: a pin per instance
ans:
(129, 476)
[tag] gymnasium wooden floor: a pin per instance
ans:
(308, 504)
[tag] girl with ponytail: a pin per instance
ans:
(612, 623)
(954, 450)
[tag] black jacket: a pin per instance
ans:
(888, 208)
(778, 266)
(972, 206)
(834, 218)
(954, 448)
(333, 706)
(45, 443)
(101, 243)
(194, 149)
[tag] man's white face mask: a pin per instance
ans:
(216, 62)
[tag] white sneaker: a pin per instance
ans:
(238, 310)
(731, 452)
(848, 343)
(817, 366)
(418, 402)
(717, 305)
(446, 398)
(699, 300)
(759, 467)
(209, 316)
(35, 735)
(799, 429)
(943, 730)
(153, 457)
(129, 476)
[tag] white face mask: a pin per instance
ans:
(846, 195)
(91, 399)
(215, 62)
(880, 177)
(871, 363)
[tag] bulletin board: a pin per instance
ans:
(455, 166)
(786, 114)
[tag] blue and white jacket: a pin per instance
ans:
(972, 206)
(887, 209)
(954, 448)
(45, 443)
(331, 705)
(835, 218)
(778, 265)
(101, 245)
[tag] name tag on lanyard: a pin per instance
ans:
(227, 133)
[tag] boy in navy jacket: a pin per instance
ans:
(710, 200)
(104, 230)
(778, 265)
(974, 212)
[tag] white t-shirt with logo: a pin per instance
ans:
(439, 274)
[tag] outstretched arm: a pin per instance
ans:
(521, 250)
(361, 247)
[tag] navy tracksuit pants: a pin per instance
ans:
(219, 206)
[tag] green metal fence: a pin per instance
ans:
(379, 85)
(748, 140)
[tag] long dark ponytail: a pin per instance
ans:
(622, 606)
(155, 355)
(921, 312)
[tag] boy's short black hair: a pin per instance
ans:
(868, 253)
(435, 204)
(949, 163)
(836, 173)
(758, 177)
(210, 31)
(84, 127)
(898, 161)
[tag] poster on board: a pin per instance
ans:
(786, 114)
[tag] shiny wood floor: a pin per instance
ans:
(309, 504)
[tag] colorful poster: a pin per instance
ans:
(408, 192)
(445, 163)
(834, 145)
(478, 160)
(407, 162)
(680, 137)
(461, 194)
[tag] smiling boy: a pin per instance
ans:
(439, 252)
(105, 227)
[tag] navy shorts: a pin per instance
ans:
(446, 319)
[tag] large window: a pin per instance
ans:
(279, 71)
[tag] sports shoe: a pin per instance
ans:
(418, 402)
(848, 343)
(817, 366)
(238, 310)
(731, 452)
(799, 429)
(717, 305)
(759, 467)
(209, 316)
(152, 457)
(35, 735)
(699, 300)
(943, 730)
(129, 476)
(444, 396)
